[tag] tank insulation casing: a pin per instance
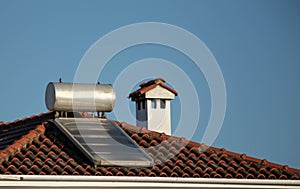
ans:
(80, 97)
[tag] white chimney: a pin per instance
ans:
(153, 108)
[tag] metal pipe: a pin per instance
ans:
(76, 97)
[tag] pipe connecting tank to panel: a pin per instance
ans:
(77, 97)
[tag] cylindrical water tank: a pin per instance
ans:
(77, 97)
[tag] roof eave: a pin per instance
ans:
(50, 181)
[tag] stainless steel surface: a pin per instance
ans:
(75, 97)
(103, 142)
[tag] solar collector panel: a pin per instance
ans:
(103, 142)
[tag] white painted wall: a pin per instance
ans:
(159, 92)
(155, 119)
(159, 119)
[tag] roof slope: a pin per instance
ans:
(34, 146)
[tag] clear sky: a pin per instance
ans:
(256, 44)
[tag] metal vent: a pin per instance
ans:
(103, 142)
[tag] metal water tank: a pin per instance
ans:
(77, 97)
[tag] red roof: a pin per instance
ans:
(146, 86)
(34, 146)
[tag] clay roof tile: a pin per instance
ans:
(43, 149)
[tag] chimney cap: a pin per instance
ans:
(146, 86)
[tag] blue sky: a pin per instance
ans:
(256, 44)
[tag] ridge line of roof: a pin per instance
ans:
(16, 121)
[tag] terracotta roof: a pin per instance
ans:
(146, 86)
(34, 146)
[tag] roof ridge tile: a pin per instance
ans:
(41, 115)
